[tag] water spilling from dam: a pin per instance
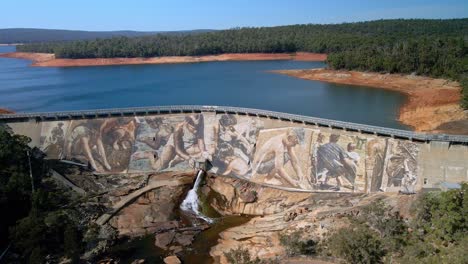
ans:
(191, 201)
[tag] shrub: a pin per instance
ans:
(242, 256)
(295, 245)
(356, 245)
(388, 224)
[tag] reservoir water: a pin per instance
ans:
(241, 84)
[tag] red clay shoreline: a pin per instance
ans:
(49, 60)
(4, 111)
(430, 103)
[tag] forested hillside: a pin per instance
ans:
(33, 35)
(429, 47)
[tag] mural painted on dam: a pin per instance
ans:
(310, 159)
(105, 143)
(234, 139)
(171, 142)
(331, 162)
(52, 139)
(282, 157)
(338, 162)
(392, 165)
(239, 146)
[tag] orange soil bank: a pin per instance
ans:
(49, 60)
(430, 102)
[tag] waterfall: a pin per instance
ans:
(191, 202)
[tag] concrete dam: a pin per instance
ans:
(295, 152)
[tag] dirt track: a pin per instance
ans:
(49, 60)
(430, 102)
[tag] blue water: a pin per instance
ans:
(243, 84)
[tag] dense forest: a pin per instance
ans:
(33, 35)
(435, 48)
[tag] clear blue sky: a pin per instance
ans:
(166, 15)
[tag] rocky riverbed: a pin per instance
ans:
(149, 226)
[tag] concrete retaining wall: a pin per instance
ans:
(318, 156)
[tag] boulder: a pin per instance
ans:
(162, 240)
(172, 260)
(185, 238)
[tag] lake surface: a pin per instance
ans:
(241, 84)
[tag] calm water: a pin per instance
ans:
(243, 84)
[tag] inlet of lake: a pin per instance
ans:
(241, 84)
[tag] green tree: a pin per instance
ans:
(357, 245)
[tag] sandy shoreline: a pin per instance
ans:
(49, 60)
(431, 103)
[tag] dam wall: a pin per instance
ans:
(293, 151)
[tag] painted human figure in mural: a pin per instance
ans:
(87, 136)
(399, 174)
(233, 145)
(183, 142)
(409, 179)
(233, 164)
(351, 162)
(55, 141)
(334, 162)
(375, 150)
(273, 155)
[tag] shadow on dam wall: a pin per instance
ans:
(260, 149)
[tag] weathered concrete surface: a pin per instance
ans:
(289, 155)
(440, 162)
(31, 129)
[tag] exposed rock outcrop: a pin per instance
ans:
(151, 211)
(235, 196)
(282, 212)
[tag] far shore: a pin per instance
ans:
(430, 106)
(10, 44)
(49, 60)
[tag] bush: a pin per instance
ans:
(72, 246)
(443, 215)
(440, 228)
(356, 245)
(388, 224)
(295, 245)
(240, 256)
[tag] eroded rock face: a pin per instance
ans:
(281, 213)
(233, 196)
(152, 212)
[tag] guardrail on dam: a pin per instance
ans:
(274, 148)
